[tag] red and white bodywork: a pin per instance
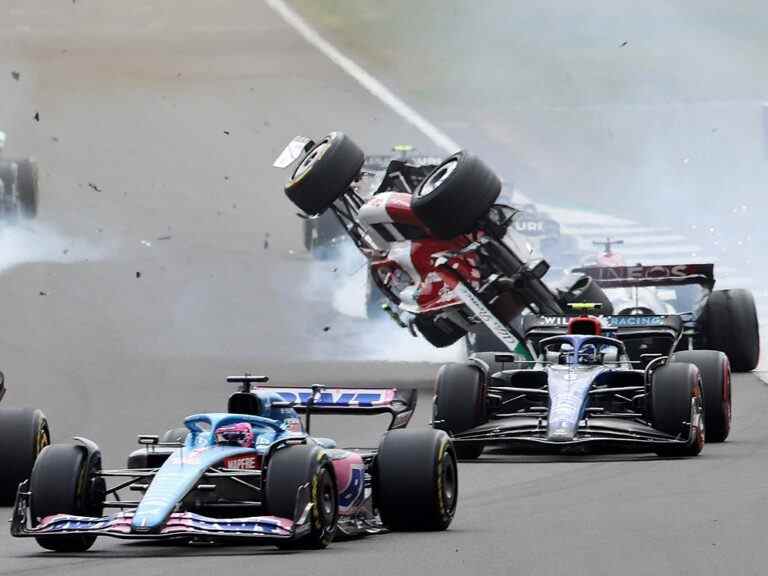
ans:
(405, 265)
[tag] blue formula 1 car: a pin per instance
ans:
(253, 472)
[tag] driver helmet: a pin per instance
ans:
(240, 434)
(588, 354)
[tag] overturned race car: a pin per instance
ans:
(445, 252)
(253, 472)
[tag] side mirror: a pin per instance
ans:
(148, 439)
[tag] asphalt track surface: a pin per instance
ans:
(161, 119)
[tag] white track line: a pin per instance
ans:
(371, 84)
(587, 225)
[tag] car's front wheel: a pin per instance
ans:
(677, 408)
(65, 481)
(460, 404)
(24, 434)
(292, 467)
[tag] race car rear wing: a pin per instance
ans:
(640, 276)
(317, 399)
(664, 329)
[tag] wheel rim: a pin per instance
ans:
(438, 177)
(43, 439)
(326, 501)
(314, 155)
(727, 406)
(449, 482)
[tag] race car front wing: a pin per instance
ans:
(178, 524)
(606, 432)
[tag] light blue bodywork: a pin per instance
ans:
(185, 466)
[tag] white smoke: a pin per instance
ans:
(339, 285)
(35, 242)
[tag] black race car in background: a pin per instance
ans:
(681, 300)
(18, 185)
(23, 434)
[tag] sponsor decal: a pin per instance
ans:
(247, 462)
(612, 321)
(351, 494)
(529, 226)
(486, 316)
(628, 321)
(638, 272)
(339, 397)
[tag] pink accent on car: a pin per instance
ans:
(350, 479)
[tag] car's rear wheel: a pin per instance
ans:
(325, 173)
(460, 404)
(64, 481)
(716, 385)
(24, 434)
(729, 324)
(457, 193)
(416, 480)
(291, 467)
(676, 400)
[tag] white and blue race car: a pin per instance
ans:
(580, 391)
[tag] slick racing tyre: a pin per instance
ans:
(716, 385)
(294, 466)
(673, 390)
(416, 480)
(728, 322)
(325, 173)
(439, 333)
(23, 435)
(64, 481)
(460, 404)
(456, 195)
(26, 187)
